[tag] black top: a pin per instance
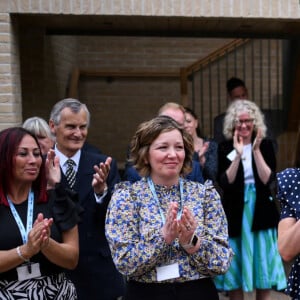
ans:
(60, 207)
(266, 214)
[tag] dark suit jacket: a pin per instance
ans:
(95, 276)
(265, 214)
(87, 147)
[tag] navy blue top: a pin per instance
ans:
(289, 197)
(210, 169)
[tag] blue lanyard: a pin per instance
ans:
(24, 233)
(152, 188)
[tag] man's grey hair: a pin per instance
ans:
(75, 106)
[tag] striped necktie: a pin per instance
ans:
(70, 173)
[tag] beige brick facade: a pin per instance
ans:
(288, 9)
(48, 61)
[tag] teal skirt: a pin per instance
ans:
(256, 263)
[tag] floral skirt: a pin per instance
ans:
(256, 263)
(56, 287)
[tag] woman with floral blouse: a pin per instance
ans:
(167, 235)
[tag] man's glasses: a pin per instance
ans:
(247, 122)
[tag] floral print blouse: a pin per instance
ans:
(133, 231)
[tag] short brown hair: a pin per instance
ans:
(146, 133)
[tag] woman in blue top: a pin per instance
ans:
(206, 150)
(167, 234)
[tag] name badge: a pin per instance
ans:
(167, 272)
(28, 271)
(231, 156)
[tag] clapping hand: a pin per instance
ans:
(201, 153)
(187, 227)
(170, 229)
(100, 176)
(39, 235)
(45, 229)
(53, 172)
(257, 141)
(238, 143)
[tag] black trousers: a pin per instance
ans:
(202, 289)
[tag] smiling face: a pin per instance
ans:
(244, 125)
(71, 131)
(190, 124)
(166, 157)
(27, 160)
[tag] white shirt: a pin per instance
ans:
(76, 157)
(247, 163)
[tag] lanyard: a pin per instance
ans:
(24, 233)
(152, 188)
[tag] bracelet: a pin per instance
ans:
(20, 254)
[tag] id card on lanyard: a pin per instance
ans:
(28, 270)
(171, 270)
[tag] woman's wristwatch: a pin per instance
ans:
(192, 243)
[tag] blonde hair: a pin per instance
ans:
(238, 107)
(168, 105)
(38, 127)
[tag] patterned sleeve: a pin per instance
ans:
(288, 192)
(215, 255)
(133, 254)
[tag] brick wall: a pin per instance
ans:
(210, 8)
(117, 105)
(46, 65)
(48, 61)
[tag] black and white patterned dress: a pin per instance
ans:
(53, 283)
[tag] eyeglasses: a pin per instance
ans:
(245, 121)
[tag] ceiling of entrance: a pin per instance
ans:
(162, 26)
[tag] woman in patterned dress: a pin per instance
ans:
(289, 225)
(38, 222)
(247, 167)
(167, 234)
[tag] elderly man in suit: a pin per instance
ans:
(93, 177)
